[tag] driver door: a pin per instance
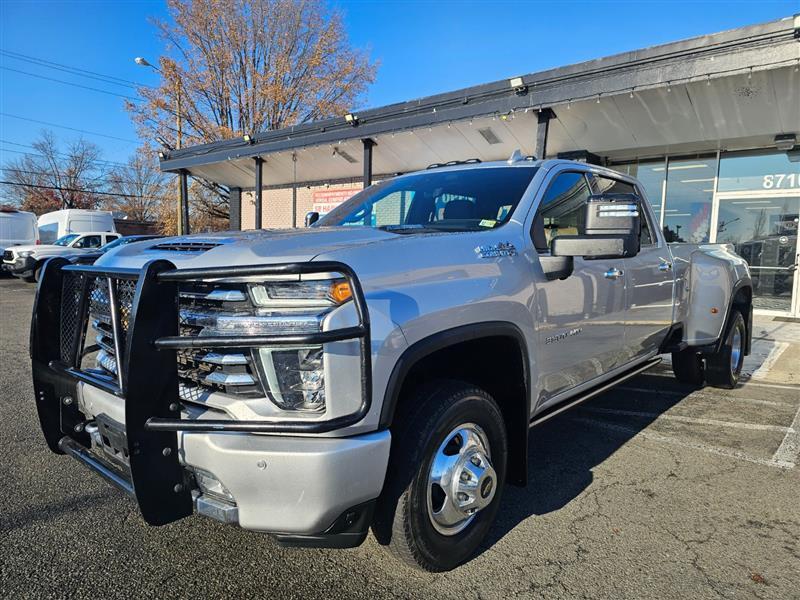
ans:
(581, 319)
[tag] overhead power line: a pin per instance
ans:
(109, 178)
(96, 160)
(80, 191)
(105, 135)
(73, 70)
(77, 85)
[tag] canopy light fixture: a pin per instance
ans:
(518, 85)
(785, 141)
(344, 155)
(490, 136)
(248, 139)
(351, 118)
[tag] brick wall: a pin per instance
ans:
(277, 207)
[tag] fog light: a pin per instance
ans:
(295, 377)
(212, 486)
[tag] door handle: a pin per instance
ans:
(665, 266)
(613, 273)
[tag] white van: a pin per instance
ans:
(17, 228)
(57, 224)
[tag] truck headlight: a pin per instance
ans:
(294, 377)
(322, 292)
(25, 253)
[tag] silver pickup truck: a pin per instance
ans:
(383, 367)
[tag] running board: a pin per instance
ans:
(593, 392)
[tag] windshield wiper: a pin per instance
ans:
(413, 228)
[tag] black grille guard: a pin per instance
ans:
(147, 374)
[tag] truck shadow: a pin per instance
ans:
(563, 451)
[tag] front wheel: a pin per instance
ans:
(724, 367)
(446, 474)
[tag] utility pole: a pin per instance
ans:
(181, 214)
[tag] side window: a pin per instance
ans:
(48, 233)
(606, 185)
(111, 237)
(88, 241)
(562, 210)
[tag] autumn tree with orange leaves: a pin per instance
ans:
(246, 66)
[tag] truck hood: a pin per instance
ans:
(243, 247)
(42, 249)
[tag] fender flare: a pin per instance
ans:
(518, 426)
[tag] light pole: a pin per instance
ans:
(179, 138)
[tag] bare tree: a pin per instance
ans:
(141, 187)
(48, 179)
(245, 66)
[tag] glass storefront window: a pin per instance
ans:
(759, 171)
(690, 190)
(651, 175)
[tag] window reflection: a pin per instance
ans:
(651, 175)
(690, 189)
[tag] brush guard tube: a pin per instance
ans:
(147, 377)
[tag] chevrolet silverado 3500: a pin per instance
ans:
(383, 367)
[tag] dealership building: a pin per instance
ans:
(709, 125)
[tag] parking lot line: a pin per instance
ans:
(789, 450)
(693, 420)
(774, 354)
(650, 435)
(742, 382)
(702, 396)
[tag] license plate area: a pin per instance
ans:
(112, 442)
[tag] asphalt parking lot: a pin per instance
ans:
(649, 491)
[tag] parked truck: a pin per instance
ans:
(382, 368)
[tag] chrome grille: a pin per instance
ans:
(8, 255)
(232, 371)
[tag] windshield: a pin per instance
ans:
(459, 200)
(125, 240)
(65, 239)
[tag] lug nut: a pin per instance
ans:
(178, 488)
(174, 407)
(67, 400)
(78, 428)
(464, 476)
(166, 451)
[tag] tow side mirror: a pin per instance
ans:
(311, 218)
(615, 214)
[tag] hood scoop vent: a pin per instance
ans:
(186, 246)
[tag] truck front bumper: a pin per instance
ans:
(20, 266)
(293, 478)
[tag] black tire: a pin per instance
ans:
(687, 365)
(403, 520)
(724, 367)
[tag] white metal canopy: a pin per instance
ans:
(731, 90)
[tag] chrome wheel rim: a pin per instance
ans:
(736, 349)
(461, 481)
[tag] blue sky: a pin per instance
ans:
(423, 48)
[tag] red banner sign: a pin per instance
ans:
(326, 200)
